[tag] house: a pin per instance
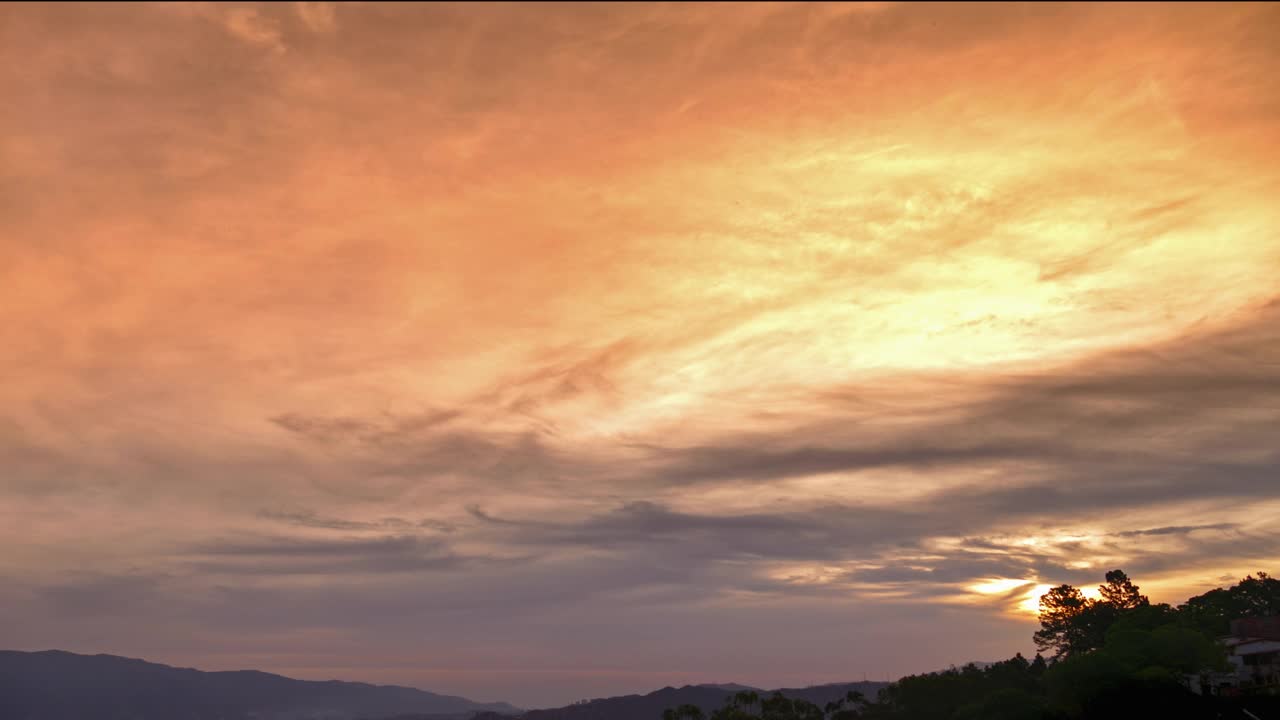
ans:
(1253, 650)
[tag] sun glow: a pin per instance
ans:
(1030, 603)
(998, 586)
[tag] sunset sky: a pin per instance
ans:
(545, 352)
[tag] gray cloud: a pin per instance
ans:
(1188, 420)
(98, 595)
(1184, 422)
(1126, 428)
(312, 520)
(309, 519)
(633, 525)
(286, 556)
(1175, 530)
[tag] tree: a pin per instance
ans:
(1116, 657)
(1005, 704)
(684, 712)
(1071, 624)
(1257, 596)
(849, 707)
(1038, 666)
(747, 705)
(780, 707)
(1067, 623)
(736, 707)
(1099, 686)
(1213, 611)
(1120, 593)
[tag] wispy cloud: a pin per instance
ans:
(530, 334)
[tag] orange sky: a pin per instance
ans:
(537, 352)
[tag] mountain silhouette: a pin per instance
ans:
(58, 685)
(707, 697)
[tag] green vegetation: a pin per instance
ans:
(751, 706)
(1119, 656)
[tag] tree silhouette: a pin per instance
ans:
(737, 707)
(1116, 657)
(1038, 666)
(779, 707)
(684, 712)
(1213, 611)
(1120, 593)
(1064, 628)
(849, 707)
(1071, 624)
(748, 705)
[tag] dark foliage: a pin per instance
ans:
(705, 699)
(1115, 657)
(1213, 611)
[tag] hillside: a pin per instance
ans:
(57, 685)
(707, 697)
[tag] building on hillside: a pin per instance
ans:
(1254, 647)
(1253, 650)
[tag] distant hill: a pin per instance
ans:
(57, 685)
(730, 687)
(823, 694)
(707, 697)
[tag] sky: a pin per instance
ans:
(548, 352)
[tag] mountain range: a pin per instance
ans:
(59, 685)
(707, 697)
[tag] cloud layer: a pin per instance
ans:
(537, 353)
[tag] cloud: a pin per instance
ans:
(103, 595)
(319, 17)
(1091, 440)
(388, 430)
(1175, 530)
(298, 556)
(309, 519)
(249, 25)
(523, 336)
(1179, 409)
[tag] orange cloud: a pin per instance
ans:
(687, 316)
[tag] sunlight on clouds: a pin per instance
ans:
(249, 25)
(319, 17)
(996, 278)
(805, 574)
(997, 586)
(1025, 603)
(1031, 602)
(861, 306)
